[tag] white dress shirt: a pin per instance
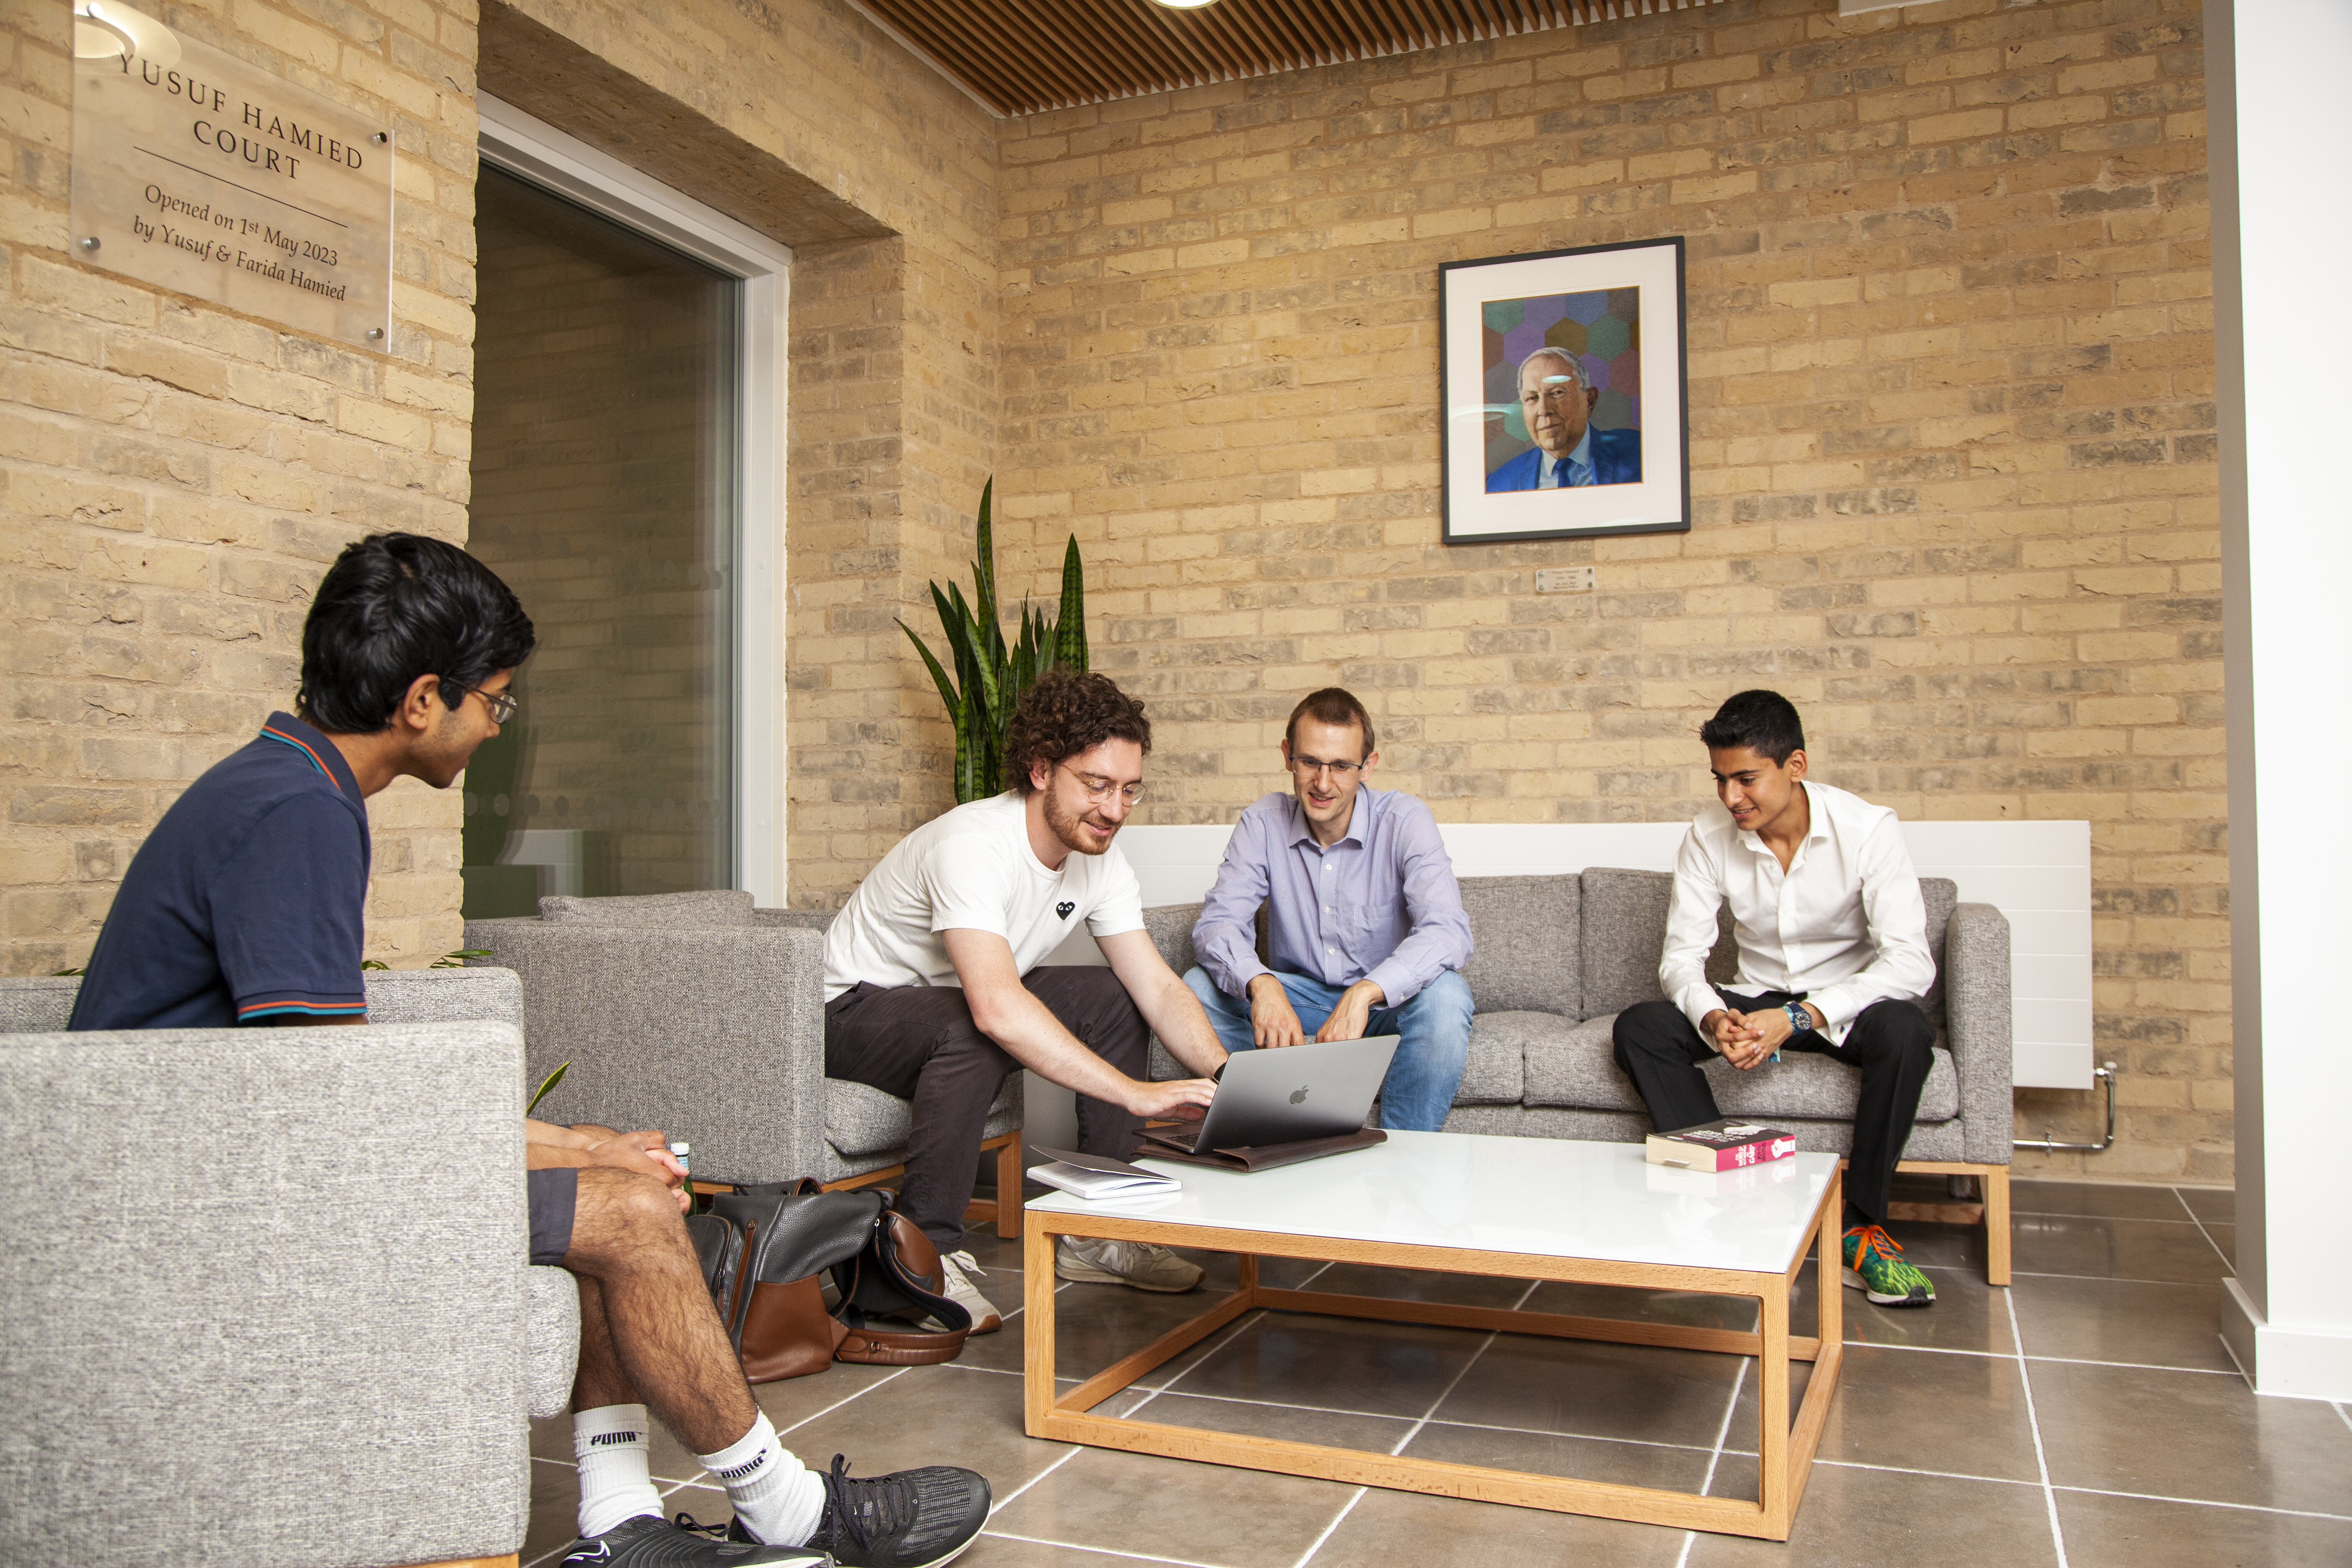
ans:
(1548, 474)
(1845, 925)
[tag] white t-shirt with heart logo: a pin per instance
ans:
(972, 869)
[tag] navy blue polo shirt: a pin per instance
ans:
(246, 901)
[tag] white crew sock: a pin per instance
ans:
(777, 1496)
(615, 1473)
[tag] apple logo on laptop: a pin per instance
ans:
(1298, 1097)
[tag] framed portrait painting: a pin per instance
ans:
(1563, 380)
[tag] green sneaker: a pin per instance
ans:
(1876, 1265)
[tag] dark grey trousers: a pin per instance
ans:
(918, 1042)
(1891, 1042)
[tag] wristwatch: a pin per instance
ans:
(1799, 1019)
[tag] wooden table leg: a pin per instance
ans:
(1772, 1404)
(1995, 1183)
(1008, 1191)
(1037, 1333)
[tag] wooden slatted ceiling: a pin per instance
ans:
(1020, 56)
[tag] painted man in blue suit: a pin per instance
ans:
(1556, 402)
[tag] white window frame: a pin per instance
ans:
(530, 147)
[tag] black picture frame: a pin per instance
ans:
(1599, 306)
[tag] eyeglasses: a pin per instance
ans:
(1099, 791)
(502, 704)
(1341, 771)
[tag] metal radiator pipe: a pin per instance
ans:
(2105, 1071)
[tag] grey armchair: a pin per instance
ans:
(309, 1242)
(703, 1016)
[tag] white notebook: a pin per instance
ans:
(1100, 1177)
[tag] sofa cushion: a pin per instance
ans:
(550, 1340)
(718, 907)
(1574, 1068)
(38, 1005)
(1495, 1072)
(861, 1120)
(1524, 935)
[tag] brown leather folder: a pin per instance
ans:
(1262, 1156)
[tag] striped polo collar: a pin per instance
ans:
(289, 732)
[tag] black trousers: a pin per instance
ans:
(1891, 1042)
(918, 1042)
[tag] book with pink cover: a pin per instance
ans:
(1723, 1144)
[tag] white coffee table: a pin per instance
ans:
(1520, 1208)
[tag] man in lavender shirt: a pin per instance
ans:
(1366, 931)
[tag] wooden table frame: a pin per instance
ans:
(1786, 1451)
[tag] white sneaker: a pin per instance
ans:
(985, 1317)
(1138, 1263)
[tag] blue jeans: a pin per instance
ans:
(1434, 1028)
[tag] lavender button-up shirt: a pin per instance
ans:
(1381, 905)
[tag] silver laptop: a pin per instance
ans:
(1311, 1091)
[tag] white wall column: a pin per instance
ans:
(2280, 119)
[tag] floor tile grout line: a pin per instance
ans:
(2224, 1341)
(2227, 1261)
(1337, 1519)
(2210, 1502)
(2052, 1360)
(839, 1403)
(1722, 1435)
(1005, 1502)
(2033, 1420)
(2117, 1219)
(1103, 1551)
(1974, 1268)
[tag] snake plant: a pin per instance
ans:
(990, 675)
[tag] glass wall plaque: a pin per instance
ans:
(210, 177)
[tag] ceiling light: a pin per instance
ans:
(1186, 5)
(106, 28)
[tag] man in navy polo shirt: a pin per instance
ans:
(245, 905)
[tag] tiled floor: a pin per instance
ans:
(2088, 1416)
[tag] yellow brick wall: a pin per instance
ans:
(1951, 441)
(175, 476)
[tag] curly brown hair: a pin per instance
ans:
(1067, 712)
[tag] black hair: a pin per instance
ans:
(1763, 721)
(1332, 705)
(394, 606)
(1065, 713)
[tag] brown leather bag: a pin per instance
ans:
(894, 1310)
(764, 1251)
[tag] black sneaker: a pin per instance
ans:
(913, 1519)
(649, 1540)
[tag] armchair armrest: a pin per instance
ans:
(713, 1034)
(1981, 1030)
(294, 1242)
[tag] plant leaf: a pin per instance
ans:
(549, 1082)
(938, 676)
(1070, 639)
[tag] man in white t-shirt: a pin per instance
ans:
(936, 988)
(1832, 936)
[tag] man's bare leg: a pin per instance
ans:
(648, 1334)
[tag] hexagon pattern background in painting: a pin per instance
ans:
(1602, 328)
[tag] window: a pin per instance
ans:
(625, 485)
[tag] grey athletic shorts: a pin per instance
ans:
(555, 1196)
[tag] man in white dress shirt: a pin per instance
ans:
(1833, 939)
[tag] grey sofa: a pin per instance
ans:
(1556, 958)
(307, 1242)
(702, 1015)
